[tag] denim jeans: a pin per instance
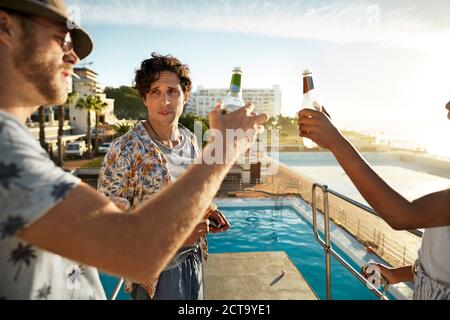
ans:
(183, 282)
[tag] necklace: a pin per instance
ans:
(164, 143)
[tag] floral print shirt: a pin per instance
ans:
(30, 185)
(135, 169)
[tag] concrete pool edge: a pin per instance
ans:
(269, 275)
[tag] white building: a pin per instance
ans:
(86, 84)
(265, 100)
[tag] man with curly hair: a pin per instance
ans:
(154, 153)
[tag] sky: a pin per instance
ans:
(372, 61)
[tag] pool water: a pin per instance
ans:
(109, 284)
(266, 229)
(263, 228)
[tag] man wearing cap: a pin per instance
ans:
(54, 229)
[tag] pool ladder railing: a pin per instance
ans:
(278, 203)
(327, 243)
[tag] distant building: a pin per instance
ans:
(86, 84)
(87, 81)
(265, 100)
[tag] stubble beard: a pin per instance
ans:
(38, 71)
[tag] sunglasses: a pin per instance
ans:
(65, 41)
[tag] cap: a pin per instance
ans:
(54, 10)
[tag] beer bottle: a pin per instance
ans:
(233, 100)
(310, 100)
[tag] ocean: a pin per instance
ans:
(434, 137)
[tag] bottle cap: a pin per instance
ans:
(237, 69)
(307, 72)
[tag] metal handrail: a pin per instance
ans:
(327, 243)
(117, 289)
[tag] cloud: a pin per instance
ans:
(336, 22)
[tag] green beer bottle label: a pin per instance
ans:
(235, 85)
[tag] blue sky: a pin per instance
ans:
(372, 60)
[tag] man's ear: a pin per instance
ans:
(5, 26)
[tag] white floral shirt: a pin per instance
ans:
(136, 169)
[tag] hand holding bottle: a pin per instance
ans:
(234, 133)
(218, 221)
(310, 101)
(318, 127)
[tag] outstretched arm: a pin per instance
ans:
(430, 211)
(86, 228)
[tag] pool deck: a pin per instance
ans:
(254, 276)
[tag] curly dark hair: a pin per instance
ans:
(151, 69)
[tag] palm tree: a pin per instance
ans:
(121, 129)
(98, 108)
(271, 123)
(44, 292)
(287, 125)
(60, 190)
(22, 254)
(9, 173)
(70, 100)
(41, 112)
(10, 227)
(90, 103)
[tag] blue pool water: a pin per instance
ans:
(259, 229)
(109, 284)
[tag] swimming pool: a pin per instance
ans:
(266, 228)
(259, 225)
